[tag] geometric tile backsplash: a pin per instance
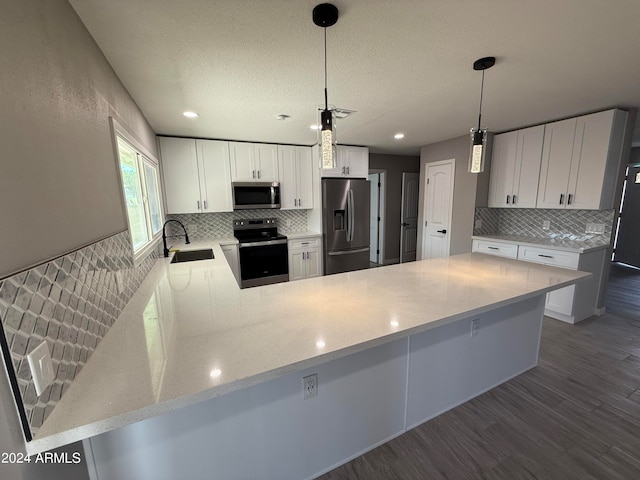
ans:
(220, 225)
(71, 302)
(570, 224)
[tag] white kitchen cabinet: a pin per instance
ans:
(233, 258)
(296, 177)
(196, 175)
(500, 249)
(515, 168)
(253, 162)
(351, 162)
(580, 161)
(305, 257)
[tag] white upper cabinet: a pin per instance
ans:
(196, 175)
(296, 177)
(515, 168)
(253, 162)
(352, 162)
(580, 161)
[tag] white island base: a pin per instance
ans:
(268, 431)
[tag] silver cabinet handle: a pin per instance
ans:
(198, 202)
(258, 173)
(299, 202)
(204, 203)
(561, 198)
(253, 174)
(343, 170)
(295, 202)
(545, 256)
(508, 197)
(569, 198)
(348, 170)
(514, 199)
(304, 243)
(493, 248)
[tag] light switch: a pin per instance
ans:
(41, 367)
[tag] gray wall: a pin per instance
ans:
(394, 165)
(59, 185)
(464, 194)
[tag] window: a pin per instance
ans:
(141, 190)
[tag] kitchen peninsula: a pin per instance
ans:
(391, 347)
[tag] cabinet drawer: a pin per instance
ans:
(509, 250)
(309, 242)
(549, 257)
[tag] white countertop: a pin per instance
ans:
(190, 334)
(564, 244)
(306, 233)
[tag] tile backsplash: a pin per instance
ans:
(69, 302)
(569, 224)
(220, 225)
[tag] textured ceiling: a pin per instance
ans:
(404, 65)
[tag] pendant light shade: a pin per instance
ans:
(478, 150)
(326, 15)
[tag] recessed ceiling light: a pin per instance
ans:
(399, 136)
(215, 373)
(190, 114)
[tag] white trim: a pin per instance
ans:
(382, 211)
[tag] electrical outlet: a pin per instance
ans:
(546, 224)
(41, 367)
(310, 386)
(474, 327)
(478, 224)
(594, 228)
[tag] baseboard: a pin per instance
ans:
(560, 316)
(391, 261)
(600, 311)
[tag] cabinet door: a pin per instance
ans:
(527, 169)
(590, 152)
(556, 164)
(305, 177)
(313, 263)
(288, 177)
(503, 166)
(241, 162)
(296, 265)
(266, 162)
(215, 175)
(180, 175)
(561, 300)
(356, 161)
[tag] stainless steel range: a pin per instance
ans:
(263, 252)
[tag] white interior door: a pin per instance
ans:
(374, 178)
(438, 207)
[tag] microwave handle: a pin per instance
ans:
(273, 195)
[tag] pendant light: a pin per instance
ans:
(479, 136)
(326, 15)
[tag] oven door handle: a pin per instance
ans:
(258, 244)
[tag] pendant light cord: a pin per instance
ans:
(326, 101)
(481, 91)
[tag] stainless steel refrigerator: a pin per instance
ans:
(345, 224)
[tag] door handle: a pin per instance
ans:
(514, 200)
(258, 173)
(204, 203)
(508, 197)
(198, 202)
(569, 198)
(561, 198)
(295, 202)
(442, 231)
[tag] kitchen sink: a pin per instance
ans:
(192, 255)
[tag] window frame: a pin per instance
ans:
(143, 157)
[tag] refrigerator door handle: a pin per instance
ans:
(349, 215)
(347, 252)
(351, 218)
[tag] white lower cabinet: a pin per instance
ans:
(305, 258)
(570, 304)
(231, 254)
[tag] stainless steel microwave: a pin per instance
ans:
(255, 195)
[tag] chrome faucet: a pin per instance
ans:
(165, 236)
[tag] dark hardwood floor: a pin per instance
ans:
(575, 416)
